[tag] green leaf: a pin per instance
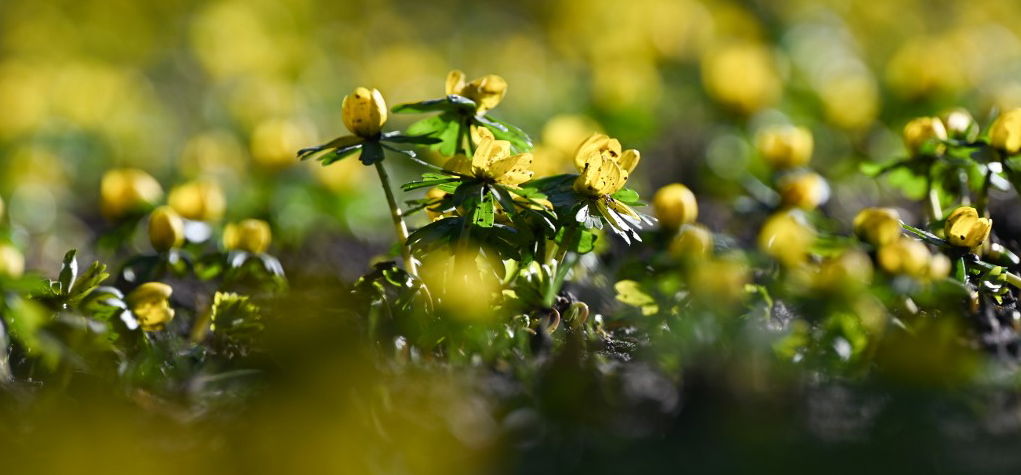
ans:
(396, 137)
(68, 272)
(372, 153)
(428, 183)
(339, 154)
(626, 196)
(451, 103)
(485, 213)
(337, 143)
(519, 140)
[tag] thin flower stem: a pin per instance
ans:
(932, 199)
(400, 228)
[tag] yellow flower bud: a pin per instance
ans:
(787, 237)
(12, 262)
(785, 146)
(364, 112)
(849, 271)
(1005, 133)
(805, 190)
(905, 256)
(965, 228)
(675, 205)
(693, 241)
(925, 136)
(127, 190)
(960, 124)
(251, 235)
(487, 91)
(150, 303)
(166, 229)
(198, 200)
(878, 226)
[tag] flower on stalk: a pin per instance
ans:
(250, 235)
(150, 304)
(127, 190)
(364, 112)
(166, 229)
(675, 205)
(486, 91)
(785, 146)
(492, 161)
(925, 136)
(805, 190)
(1005, 133)
(604, 169)
(693, 241)
(878, 226)
(965, 228)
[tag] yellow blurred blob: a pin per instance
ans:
(166, 229)
(127, 190)
(364, 112)
(232, 38)
(560, 138)
(850, 101)
(878, 226)
(23, 98)
(675, 205)
(925, 136)
(849, 271)
(249, 235)
(12, 262)
(785, 146)
(806, 190)
(200, 200)
(345, 175)
(466, 285)
(626, 83)
(150, 303)
(786, 237)
(275, 142)
(256, 99)
(960, 124)
(907, 256)
(719, 282)
(925, 66)
(1005, 133)
(742, 76)
(216, 152)
(965, 228)
(693, 241)
(35, 164)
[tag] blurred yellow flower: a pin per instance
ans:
(675, 205)
(250, 235)
(150, 303)
(965, 228)
(850, 101)
(199, 200)
(12, 262)
(1005, 133)
(924, 136)
(464, 285)
(127, 190)
(166, 229)
(275, 142)
(216, 152)
(492, 161)
(906, 256)
(364, 112)
(878, 226)
(742, 76)
(341, 176)
(806, 190)
(720, 281)
(692, 241)
(850, 270)
(487, 91)
(23, 98)
(560, 138)
(603, 167)
(785, 146)
(786, 237)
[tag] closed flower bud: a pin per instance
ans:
(675, 205)
(785, 146)
(803, 190)
(127, 190)
(965, 228)
(364, 112)
(198, 201)
(787, 237)
(960, 125)
(166, 229)
(905, 256)
(925, 136)
(850, 270)
(1005, 133)
(693, 241)
(12, 262)
(251, 235)
(150, 303)
(877, 226)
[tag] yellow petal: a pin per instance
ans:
(629, 160)
(487, 91)
(513, 170)
(588, 151)
(459, 164)
(455, 82)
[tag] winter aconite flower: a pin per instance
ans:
(200, 200)
(364, 112)
(675, 205)
(925, 136)
(805, 190)
(150, 303)
(493, 161)
(692, 241)
(909, 257)
(1005, 133)
(166, 229)
(127, 190)
(250, 235)
(850, 270)
(787, 237)
(12, 262)
(274, 141)
(486, 91)
(877, 226)
(965, 228)
(603, 166)
(785, 146)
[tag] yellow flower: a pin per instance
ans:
(364, 112)
(960, 124)
(787, 237)
(805, 190)
(150, 303)
(905, 256)
(925, 135)
(878, 226)
(603, 166)
(560, 138)
(785, 146)
(251, 235)
(199, 200)
(849, 271)
(693, 241)
(166, 229)
(12, 262)
(127, 190)
(719, 281)
(965, 228)
(487, 91)
(1005, 133)
(492, 161)
(742, 76)
(675, 205)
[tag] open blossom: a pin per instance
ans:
(603, 167)
(487, 91)
(965, 228)
(150, 303)
(492, 160)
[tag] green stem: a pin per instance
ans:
(400, 228)
(1012, 279)
(932, 199)
(564, 264)
(982, 203)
